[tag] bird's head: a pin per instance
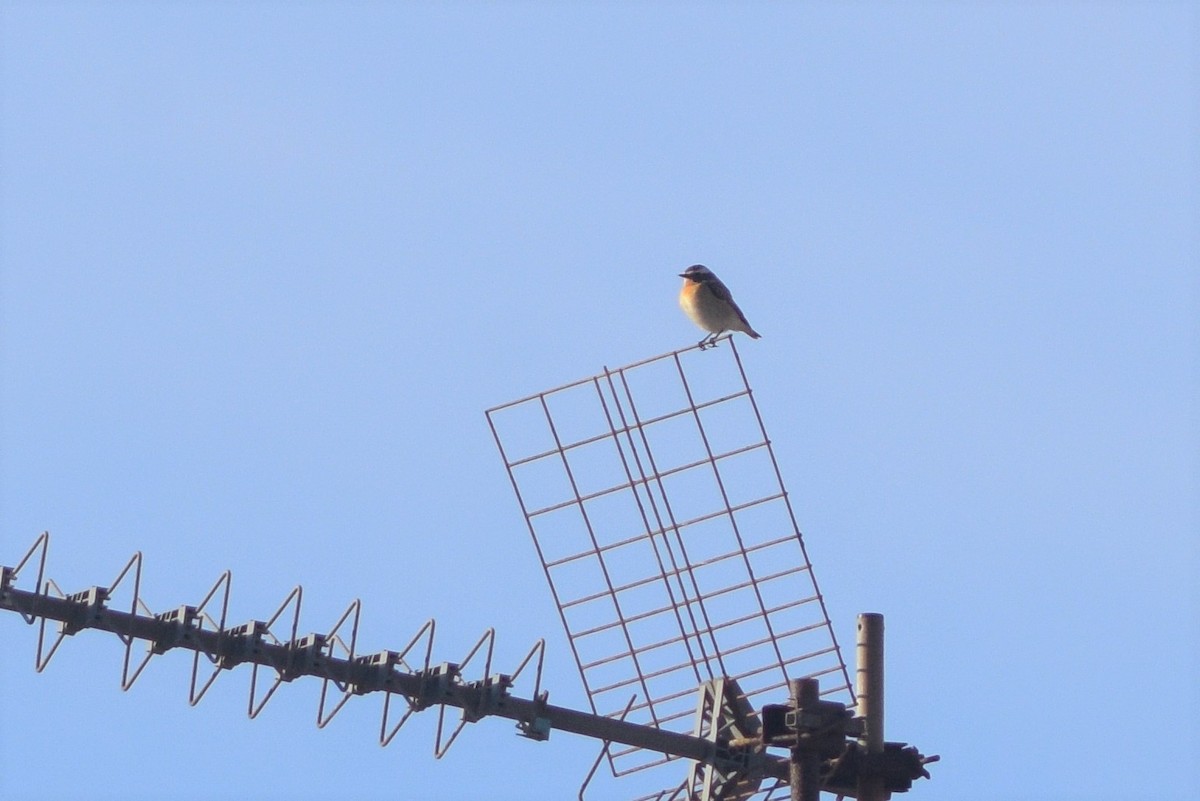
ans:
(697, 272)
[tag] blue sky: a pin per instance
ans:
(263, 267)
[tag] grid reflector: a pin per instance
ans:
(668, 540)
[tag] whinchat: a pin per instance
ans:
(709, 304)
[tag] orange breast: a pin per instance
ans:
(688, 293)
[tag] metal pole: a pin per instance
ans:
(805, 772)
(869, 690)
(364, 677)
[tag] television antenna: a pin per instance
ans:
(671, 550)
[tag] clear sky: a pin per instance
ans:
(263, 266)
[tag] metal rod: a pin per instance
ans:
(791, 513)
(364, 677)
(805, 768)
(603, 753)
(869, 681)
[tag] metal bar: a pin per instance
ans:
(712, 596)
(537, 545)
(603, 753)
(126, 679)
(692, 593)
(653, 579)
(573, 384)
(595, 549)
(39, 662)
(791, 514)
(364, 676)
(733, 523)
(805, 777)
(283, 670)
(332, 639)
(654, 510)
(538, 648)
(470, 713)
(634, 484)
(869, 679)
(226, 579)
(726, 652)
(624, 430)
(702, 518)
(9, 574)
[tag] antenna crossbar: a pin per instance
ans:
(422, 686)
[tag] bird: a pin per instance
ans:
(709, 304)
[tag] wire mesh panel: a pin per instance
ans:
(670, 545)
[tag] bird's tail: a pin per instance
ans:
(752, 333)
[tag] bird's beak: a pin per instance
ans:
(683, 275)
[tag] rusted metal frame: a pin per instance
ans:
(676, 529)
(708, 629)
(595, 546)
(728, 651)
(699, 519)
(574, 384)
(781, 685)
(562, 615)
(677, 793)
(725, 497)
(636, 482)
(617, 755)
(678, 573)
(792, 515)
(712, 560)
(654, 544)
(598, 437)
(703, 563)
(782, 635)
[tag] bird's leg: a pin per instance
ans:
(707, 342)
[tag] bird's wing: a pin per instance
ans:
(741, 316)
(719, 289)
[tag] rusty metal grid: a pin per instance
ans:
(668, 539)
